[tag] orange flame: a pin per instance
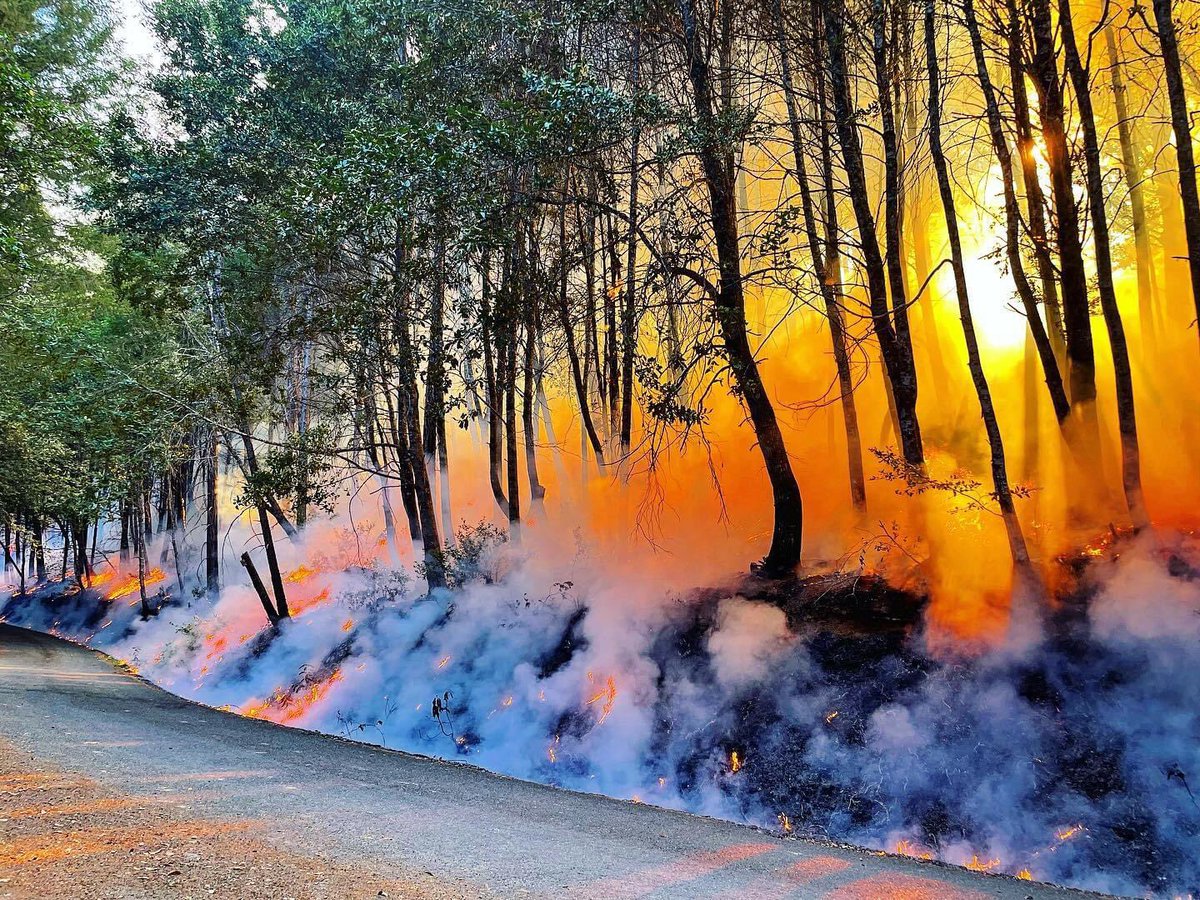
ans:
(978, 865)
(608, 694)
(130, 584)
(283, 706)
(908, 848)
(298, 574)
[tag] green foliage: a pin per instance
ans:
(471, 557)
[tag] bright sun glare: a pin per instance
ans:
(997, 322)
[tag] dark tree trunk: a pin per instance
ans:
(1035, 199)
(1181, 122)
(896, 354)
(1076, 313)
(1050, 370)
(264, 520)
(494, 394)
(629, 312)
(260, 589)
(408, 412)
(577, 375)
(212, 552)
(1131, 472)
(718, 166)
(825, 278)
(1134, 182)
(529, 418)
(1025, 572)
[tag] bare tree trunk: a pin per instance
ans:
(139, 533)
(718, 166)
(858, 488)
(260, 589)
(629, 314)
(1050, 370)
(1181, 122)
(408, 413)
(1076, 311)
(529, 418)
(1134, 178)
(1026, 574)
(264, 521)
(1035, 199)
(510, 425)
(896, 353)
(893, 216)
(1131, 473)
(494, 395)
(577, 375)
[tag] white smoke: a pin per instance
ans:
(1075, 762)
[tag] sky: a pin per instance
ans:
(134, 33)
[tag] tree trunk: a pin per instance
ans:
(139, 534)
(629, 315)
(264, 520)
(1134, 178)
(1050, 370)
(1181, 122)
(577, 375)
(529, 417)
(1035, 199)
(896, 354)
(718, 166)
(212, 553)
(260, 589)
(1076, 311)
(1027, 576)
(821, 265)
(494, 396)
(1131, 473)
(407, 402)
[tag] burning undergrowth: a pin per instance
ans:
(812, 708)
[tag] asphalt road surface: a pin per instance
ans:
(110, 787)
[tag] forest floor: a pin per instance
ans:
(110, 787)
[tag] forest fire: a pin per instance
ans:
(131, 584)
(832, 385)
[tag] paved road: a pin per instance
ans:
(104, 777)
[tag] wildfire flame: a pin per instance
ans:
(908, 848)
(299, 574)
(608, 694)
(98, 578)
(287, 706)
(979, 865)
(736, 762)
(1065, 834)
(129, 585)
